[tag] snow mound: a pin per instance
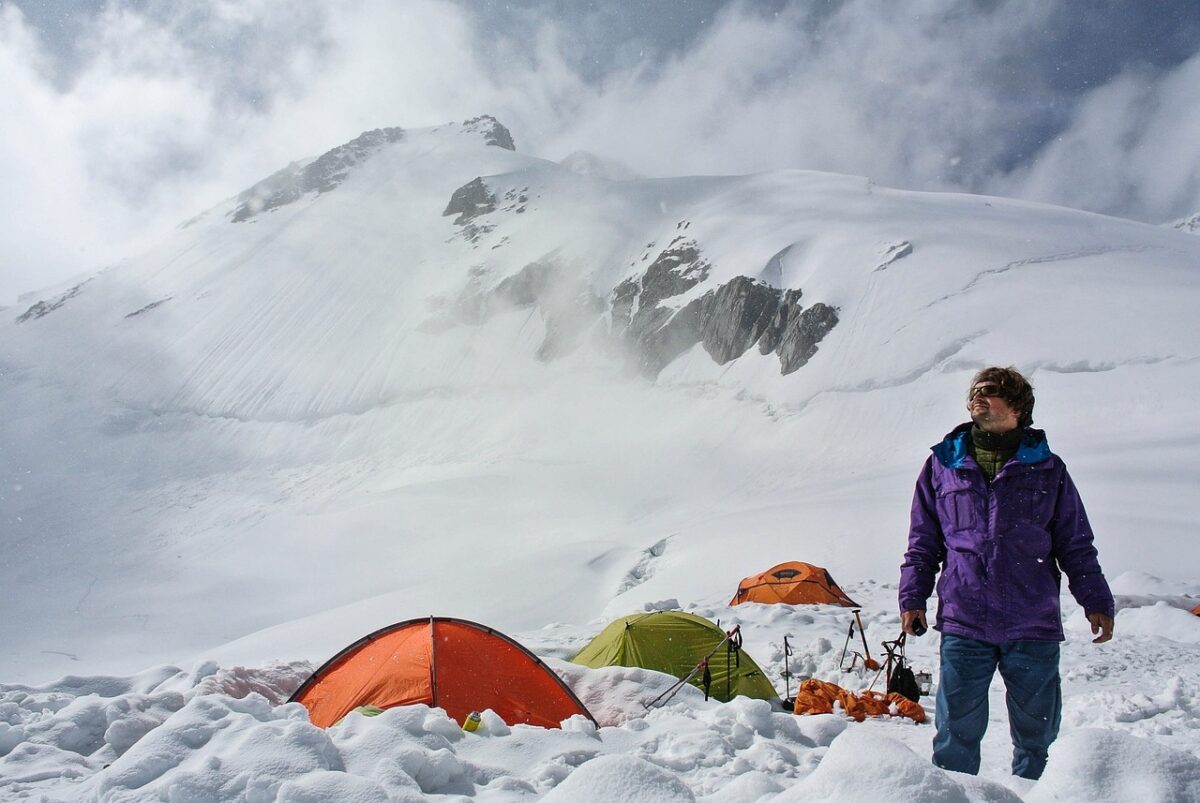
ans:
(221, 747)
(1103, 766)
(1161, 619)
(620, 779)
(868, 767)
(1141, 583)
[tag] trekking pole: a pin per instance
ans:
(845, 646)
(733, 651)
(868, 661)
(702, 666)
(787, 669)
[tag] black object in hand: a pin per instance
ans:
(918, 627)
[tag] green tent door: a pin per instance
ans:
(674, 642)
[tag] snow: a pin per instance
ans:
(1103, 766)
(1131, 721)
(204, 501)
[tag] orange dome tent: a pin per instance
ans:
(794, 583)
(454, 664)
(1196, 610)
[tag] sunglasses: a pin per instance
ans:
(985, 390)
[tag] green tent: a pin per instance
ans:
(675, 642)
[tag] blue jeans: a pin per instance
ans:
(1033, 694)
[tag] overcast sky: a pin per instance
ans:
(119, 119)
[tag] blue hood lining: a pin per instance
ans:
(953, 452)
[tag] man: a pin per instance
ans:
(996, 512)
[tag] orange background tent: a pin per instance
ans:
(454, 664)
(794, 583)
(1196, 610)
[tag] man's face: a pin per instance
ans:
(991, 413)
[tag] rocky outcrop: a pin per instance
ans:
(727, 320)
(493, 132)
(470, 201)
(804, 331)
(894, 253)
(323, 174)
(736, 317)
(657, 315)
(772, 336)
(44, 308)
(568, 308)
(678, 268)
(148, 307)
(624, 297)
(1191, 225)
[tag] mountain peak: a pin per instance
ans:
(493, 131)
(322, 174)
(331, 168)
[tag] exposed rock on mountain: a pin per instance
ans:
(736, 316)
(470, 201)
(567, 306)
(43, 308)
(772, 335)
(493, 132)
(322, 174)
(727, 320)
(893, 253)
(148, 307)
(802, 335)
(677, 269)
(1191, 225)
(624, 297)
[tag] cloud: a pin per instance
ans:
(924, 95)
(1130, 148)
(156, 110)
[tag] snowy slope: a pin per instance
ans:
(328, 405)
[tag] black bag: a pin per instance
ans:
(904, 682)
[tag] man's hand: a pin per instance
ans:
(1103, 624)
(908, 618)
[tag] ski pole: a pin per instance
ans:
(868, 661)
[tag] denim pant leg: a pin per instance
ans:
(962, 702)
(1034, 697)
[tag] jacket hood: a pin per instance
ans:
(952, 451)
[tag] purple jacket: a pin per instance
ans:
(1001, 549)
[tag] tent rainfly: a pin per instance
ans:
(454, 664)
(675, 642)
(792, 583)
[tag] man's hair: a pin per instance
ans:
(1015, 389)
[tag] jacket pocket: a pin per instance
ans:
(959, 509)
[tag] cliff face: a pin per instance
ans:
(656, 313)
(727, 320)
